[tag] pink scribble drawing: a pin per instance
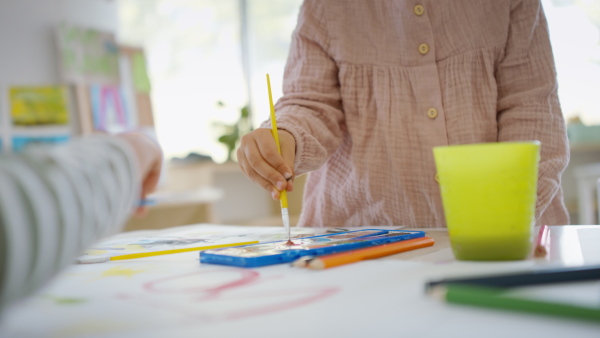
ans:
(228, 300)
(205, 293)
(103, 99)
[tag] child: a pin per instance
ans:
(370, 87)
(54, 202)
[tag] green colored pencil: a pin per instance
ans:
(497, 298)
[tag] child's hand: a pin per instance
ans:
(149, 156)
(261, 163)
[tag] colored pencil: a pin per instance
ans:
(328, 261)
(542, 243)
(102, 259)
(547, 276)
(497, 299)
(282, 194)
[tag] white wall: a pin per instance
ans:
(27, 45)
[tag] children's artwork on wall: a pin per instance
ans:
(88, 56)
(140, 76)
(19, 143)
(127, 88)
(134, 75)
(38, 105)
(109, 109)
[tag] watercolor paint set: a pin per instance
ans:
(262, 254)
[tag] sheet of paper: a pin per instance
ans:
(141, 81)
(30, 106)
(177, 296)
(109, 109)
(143, 297)
(87, 56)
(187, 237)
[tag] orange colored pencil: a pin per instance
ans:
(328, 261)
(542, 244)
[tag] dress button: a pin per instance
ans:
(437, 178)
(423, 48)
(419, 10)
(432, 113)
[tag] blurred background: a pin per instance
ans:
(192, 74)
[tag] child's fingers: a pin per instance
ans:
(255, 177)
(288, 153)
(259, 155)
(268, 150)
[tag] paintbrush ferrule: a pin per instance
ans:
(285, 215)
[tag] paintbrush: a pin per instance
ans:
(283, 194)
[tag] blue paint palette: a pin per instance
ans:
(262, 254)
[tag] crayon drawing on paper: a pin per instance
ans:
(109, 109)
(38, 105)
(87, 55)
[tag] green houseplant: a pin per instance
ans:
(231, 133)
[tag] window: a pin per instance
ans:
(575, 35)
(196, 51)
(201, 52)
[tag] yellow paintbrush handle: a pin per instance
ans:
(282, 194)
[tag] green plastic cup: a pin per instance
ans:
(489, 192)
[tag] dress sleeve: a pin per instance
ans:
(528, 106)
(55, 202)
(311, 108)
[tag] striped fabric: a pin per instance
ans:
(54, 202)
(370, 87)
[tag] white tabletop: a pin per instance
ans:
(175, 295)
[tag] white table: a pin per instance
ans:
(176, 296)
